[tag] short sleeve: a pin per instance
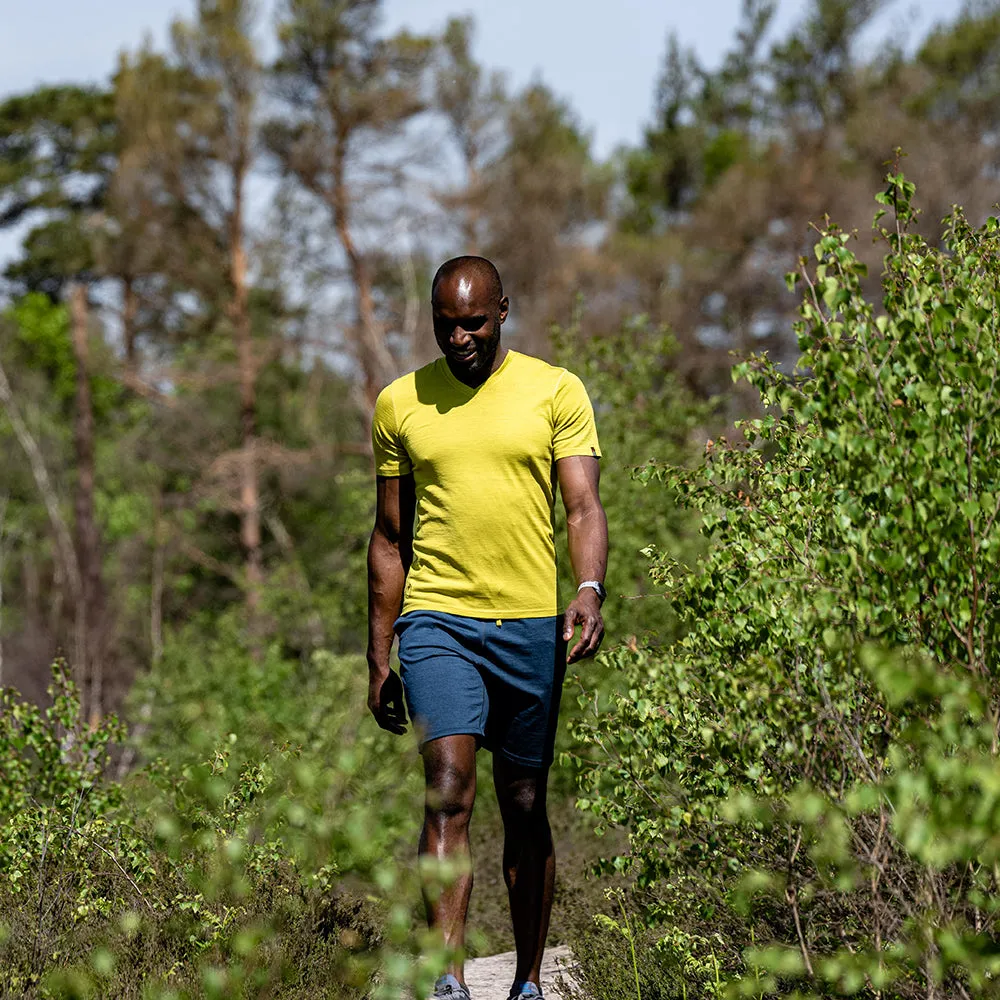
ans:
(391, 458)
(574, 430)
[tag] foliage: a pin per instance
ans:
(42, 339)
(642, 411)
(214, 679)
(240, 871)
(57, 148)
(811, 766)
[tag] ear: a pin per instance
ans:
(503, 309)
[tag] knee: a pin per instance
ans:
(523, 799)
(450, 798)
(524, 807)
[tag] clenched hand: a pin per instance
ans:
(385, 700)
(585, 610)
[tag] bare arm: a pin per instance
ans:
(389, 554)
(587, 528)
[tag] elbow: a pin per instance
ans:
(387, 529)
(389, 547)
(588, 514)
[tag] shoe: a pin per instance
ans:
(528, 991)
(449, 987)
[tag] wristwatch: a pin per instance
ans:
(597, 586)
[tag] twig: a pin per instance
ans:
(131, 881)
(208, 562)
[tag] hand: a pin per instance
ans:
(585, 610)
(385, 700)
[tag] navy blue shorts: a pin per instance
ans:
(496, 679)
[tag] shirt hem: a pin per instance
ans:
(550, 611)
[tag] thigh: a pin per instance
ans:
(526, 665)
(445, 691)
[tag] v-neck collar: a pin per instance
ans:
(471, 390)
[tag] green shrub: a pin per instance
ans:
(240, 874)
(642, 411)
(809, 774)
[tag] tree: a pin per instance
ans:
(88, 541)
(155, 242)
(539, 194)
(65, 551)
(350, 95)
(57, 151)
(662, 176)
(473, 103)
(739, 160)
(219, 52)
(815, 68)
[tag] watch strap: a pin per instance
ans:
(596, 586)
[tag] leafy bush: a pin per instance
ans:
(240, 874)
(642, 411)
(809, 775)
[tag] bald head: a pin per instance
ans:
(466, 276)
(469, 307)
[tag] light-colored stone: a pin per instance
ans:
(490, 978)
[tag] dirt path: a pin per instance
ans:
(490, 978)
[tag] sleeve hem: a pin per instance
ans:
(577, 451)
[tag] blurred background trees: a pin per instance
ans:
(227, 255)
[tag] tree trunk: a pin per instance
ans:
(130, 314)
(378, 367)
(88, 545)
(250, 531)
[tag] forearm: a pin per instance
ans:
(587, 533)
(386, 576)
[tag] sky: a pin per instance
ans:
(603, 57)
(605, 63)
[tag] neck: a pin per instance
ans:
(476, 379)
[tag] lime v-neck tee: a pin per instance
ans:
(483, 464)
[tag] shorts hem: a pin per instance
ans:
(460, 731)
(516, 758)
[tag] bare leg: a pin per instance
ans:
(529, 860)
(450, 773)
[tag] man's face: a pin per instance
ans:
(467, 324)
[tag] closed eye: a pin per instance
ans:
(473, 323)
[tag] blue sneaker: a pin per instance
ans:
(450, 988)
(525, 991)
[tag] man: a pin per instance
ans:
(470, 448)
